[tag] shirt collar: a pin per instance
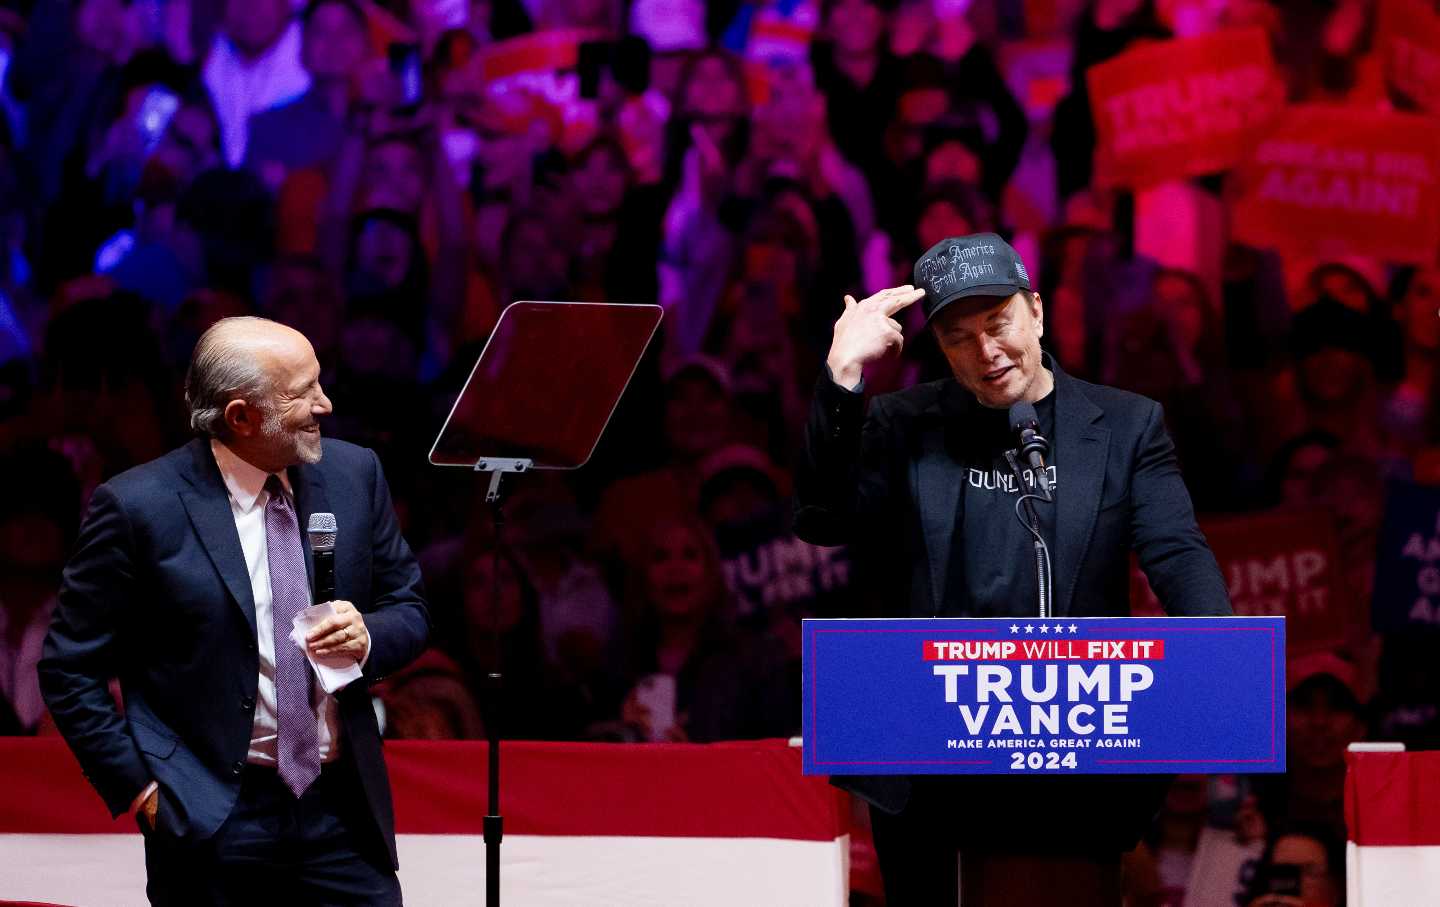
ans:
(244, 480)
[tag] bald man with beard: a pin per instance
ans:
(249, 782)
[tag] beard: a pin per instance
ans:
(295, 445)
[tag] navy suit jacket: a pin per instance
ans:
(888, 483)
(158, 595)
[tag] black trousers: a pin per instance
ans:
(276, 849)
(976, 843)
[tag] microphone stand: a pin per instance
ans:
(1032, 523)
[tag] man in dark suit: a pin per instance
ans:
(920, 488)
(249, 782)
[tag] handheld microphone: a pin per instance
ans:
(322, 550)
(1025, 423)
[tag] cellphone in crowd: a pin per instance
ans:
(407, 66)
(1282, 879)
(155, 113)
(656, 693)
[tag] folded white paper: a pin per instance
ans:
(335, 671)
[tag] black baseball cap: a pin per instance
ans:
(981, 264)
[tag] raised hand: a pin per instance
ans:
(867, 331)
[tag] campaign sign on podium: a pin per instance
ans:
(1076, 695)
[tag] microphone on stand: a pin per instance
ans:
(322, 550)
(1025, 423)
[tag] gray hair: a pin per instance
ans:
(221, 370)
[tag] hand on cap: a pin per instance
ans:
(866, 331)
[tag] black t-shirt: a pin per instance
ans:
(996, 551)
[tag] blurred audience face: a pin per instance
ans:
(1321, 722)
(1296, 481)
(994, 348)
(190, 144)
(855, 26)
(713, 99)
(382, 252)
(254, 25)
(788, 130)
(1318, 887)
(599, 181)
(677, 580)
(697, 415)
(105, 27)
(1332, 377)
(395, 176)
(535, 264)
(952, 160)
(334, 43)
(1421, 308)
(917, 109)
(1182, 303)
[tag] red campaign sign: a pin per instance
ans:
(1329, 181)
(1044, 649)
(1408, 40)
(1174, 109)
(1276, 564)
(540, 52)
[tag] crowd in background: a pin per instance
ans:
(387, 175)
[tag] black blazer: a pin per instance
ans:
(157, 594)
(887, 484)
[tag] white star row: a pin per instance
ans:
(1044, 628)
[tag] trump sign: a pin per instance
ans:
(1088, 695)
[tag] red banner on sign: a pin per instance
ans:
(1408, 40)
(1044, 649)
(1277, 564)
(1174, 109)
(1331, 181)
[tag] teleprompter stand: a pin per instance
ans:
(539, 397)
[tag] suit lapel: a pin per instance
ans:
(939, 481)
(1081, 450)
(308, 483)
(207, 503)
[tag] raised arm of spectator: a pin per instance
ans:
(696, 252)
(986, 83)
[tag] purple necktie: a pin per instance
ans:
(296, 745)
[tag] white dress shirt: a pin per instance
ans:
(248, 497)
